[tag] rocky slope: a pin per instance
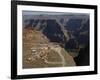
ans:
(39, 52)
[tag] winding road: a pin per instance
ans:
(58, 50)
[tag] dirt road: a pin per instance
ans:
(58, 50)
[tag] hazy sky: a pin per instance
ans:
(49, 13)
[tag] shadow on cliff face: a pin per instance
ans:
(83, 58)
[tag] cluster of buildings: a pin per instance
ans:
(40, 52)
